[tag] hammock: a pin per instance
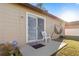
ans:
(56, 31)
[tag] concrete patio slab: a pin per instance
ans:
(47, 50)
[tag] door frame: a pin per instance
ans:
(27, 13)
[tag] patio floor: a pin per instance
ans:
(47, 50)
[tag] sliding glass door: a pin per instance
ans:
(35, 28)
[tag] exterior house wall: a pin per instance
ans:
(13, 23)
(50, 27)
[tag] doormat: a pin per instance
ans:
(37, 46)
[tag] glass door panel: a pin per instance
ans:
(40, 27)
(31, 28)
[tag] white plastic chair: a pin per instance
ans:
(46, 37)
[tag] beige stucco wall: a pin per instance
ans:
(13, 23)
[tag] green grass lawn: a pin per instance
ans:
(71, 49)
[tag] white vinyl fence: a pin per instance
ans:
(72, 32)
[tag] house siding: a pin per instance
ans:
(50, 22)
(13, 23)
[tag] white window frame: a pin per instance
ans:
(27, 14)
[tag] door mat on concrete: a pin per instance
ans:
(37, 46)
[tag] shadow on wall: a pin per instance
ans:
(76, 38)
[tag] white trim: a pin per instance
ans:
(36, 27)
(27, 13)
(26, 28)
(35, 15)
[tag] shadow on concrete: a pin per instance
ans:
(60, 39)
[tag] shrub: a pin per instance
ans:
(8, 50)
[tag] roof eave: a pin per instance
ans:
(40, 10)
